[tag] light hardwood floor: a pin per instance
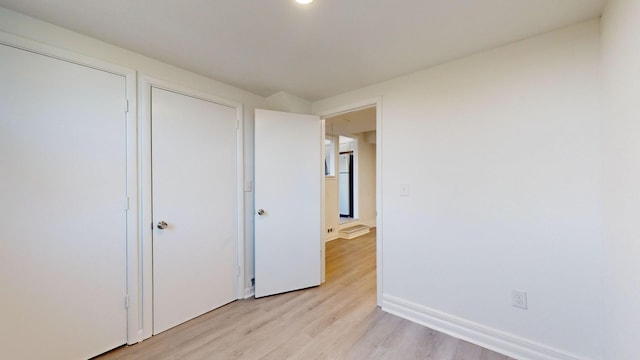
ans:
(337, 320)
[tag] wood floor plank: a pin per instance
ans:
(337, 320)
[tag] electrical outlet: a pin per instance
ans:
(519, 299)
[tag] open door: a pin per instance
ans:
(289, 174)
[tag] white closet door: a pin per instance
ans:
(195, 194)
(62, 208)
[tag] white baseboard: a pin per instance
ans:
(249, 292)
(496, 340)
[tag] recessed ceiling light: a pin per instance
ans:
(304, 1)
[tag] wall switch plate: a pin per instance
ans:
(404, 189)
(519, 299)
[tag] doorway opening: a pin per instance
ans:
(350, 181)
(358, 121)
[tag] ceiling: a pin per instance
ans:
(313, 51)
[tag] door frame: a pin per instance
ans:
(130, 203)
(146, 83)
(377, 102)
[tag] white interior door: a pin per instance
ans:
(62, 205)
(289, 175)
(194, 192)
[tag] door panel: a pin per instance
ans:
(62, 205)
(289, 175)
(194, 192)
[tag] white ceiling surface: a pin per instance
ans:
(314, 51)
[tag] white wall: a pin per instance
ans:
(283, 101)
(30, 28)
(502, 154)
(621, 63)
(366, 181)
(331, 201)
(331, 215)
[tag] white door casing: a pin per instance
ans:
(194, 190)
(63, 251)
(289, 182)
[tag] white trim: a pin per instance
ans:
(359, 105)
(146, 248)
(65, 55)
(134, 278)
(377, 102)
(493, 339)
(132, 231)
(146, 83)
(323, 220)
(379, 243)
(249, 292)
(241, 242)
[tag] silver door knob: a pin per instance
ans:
(162, 225)
(261, 212)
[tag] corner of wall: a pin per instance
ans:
(621, 176)
(283, 101)
(496, 340)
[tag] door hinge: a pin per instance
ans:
(126, 203)
(238, 271)
(237, 124)
(126, 301)
(126, 105)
